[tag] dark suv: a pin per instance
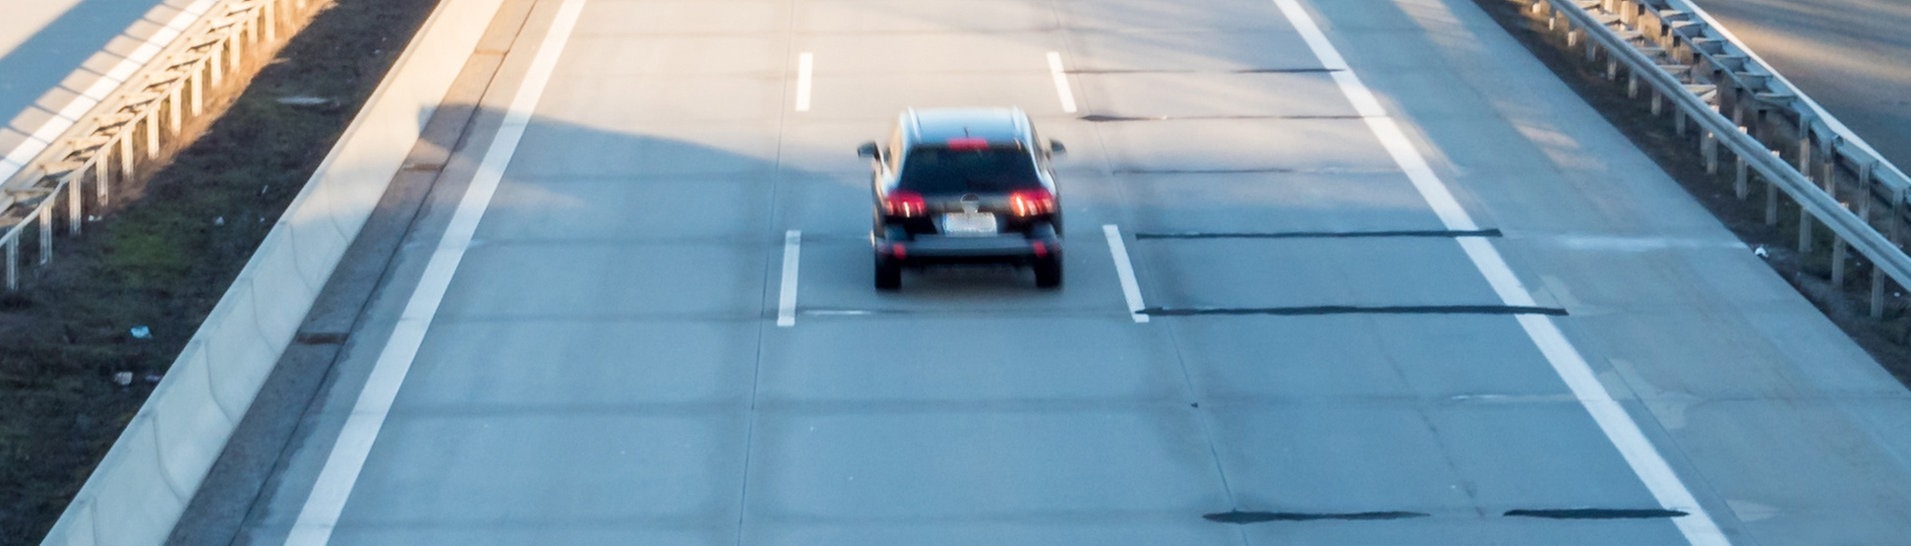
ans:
(965, 186)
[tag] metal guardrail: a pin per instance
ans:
(131, 128)
(1684, 57)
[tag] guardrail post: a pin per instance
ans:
(73, 199)
(1804, 230)
(1877, 294)
(234, 47)
(1709, 149)
(1829, 169)
(1740, 188)
(13, 264)
(46, 230)
(1837, 262)
(249, 29)
(1678, 121)
(196, 82)
(215, 66)
(102, 181)
(1658, 102)
(152, 134)
(173, 115)
(1804, 145)
(1866, 173)
(1897, 217)
(269, 14)
(125, 156)
(1771, 198)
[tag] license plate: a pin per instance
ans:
(968, 223)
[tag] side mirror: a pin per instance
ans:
(868, 149)
(1055, 147)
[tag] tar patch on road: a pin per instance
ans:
(1206, 171)
(1108, 118)
(1358, 309)
(1309, 70)
(1238, 517)
(1597, 513)
(320, 338)
(1434, 233)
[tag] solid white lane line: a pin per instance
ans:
(1061, 81)
(786, 304)
(1431, 189)
(805, 64)
(1625, 434)
(1125, 269)
(17, 158)
(340, 474)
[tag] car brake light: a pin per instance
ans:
(968, 144)
(1031, 202)
(905, 204)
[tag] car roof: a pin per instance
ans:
(996, 125)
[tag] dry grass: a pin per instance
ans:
(166, 257)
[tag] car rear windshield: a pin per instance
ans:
(935, 170)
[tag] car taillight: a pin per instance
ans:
(1031, 202)
(905, 204)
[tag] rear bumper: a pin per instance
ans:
(934, 249)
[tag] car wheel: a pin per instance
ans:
(1048, 273)
(888, 274)
(1045, 230)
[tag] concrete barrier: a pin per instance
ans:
(138, 492)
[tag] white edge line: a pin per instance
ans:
(326, 502)
(1611, 417)
(66, 116)
(805, 64)
(1061, 81)
(786, 302)
(1125, 269)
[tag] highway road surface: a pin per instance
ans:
(1348, 272)
(1851, 56)
(58, 57)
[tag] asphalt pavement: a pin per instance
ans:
(1345, 272)
(1851, 56)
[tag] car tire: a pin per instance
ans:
(1048, 270)
(888, 274)
(1048, 273)
(1045, 230)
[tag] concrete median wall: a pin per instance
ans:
(138, 492)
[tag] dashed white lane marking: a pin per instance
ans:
(1638, 451)
(805, 64)
(1061, 81)
(1125, 269)
(335, 481)
(42, 138)
(786, 303)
